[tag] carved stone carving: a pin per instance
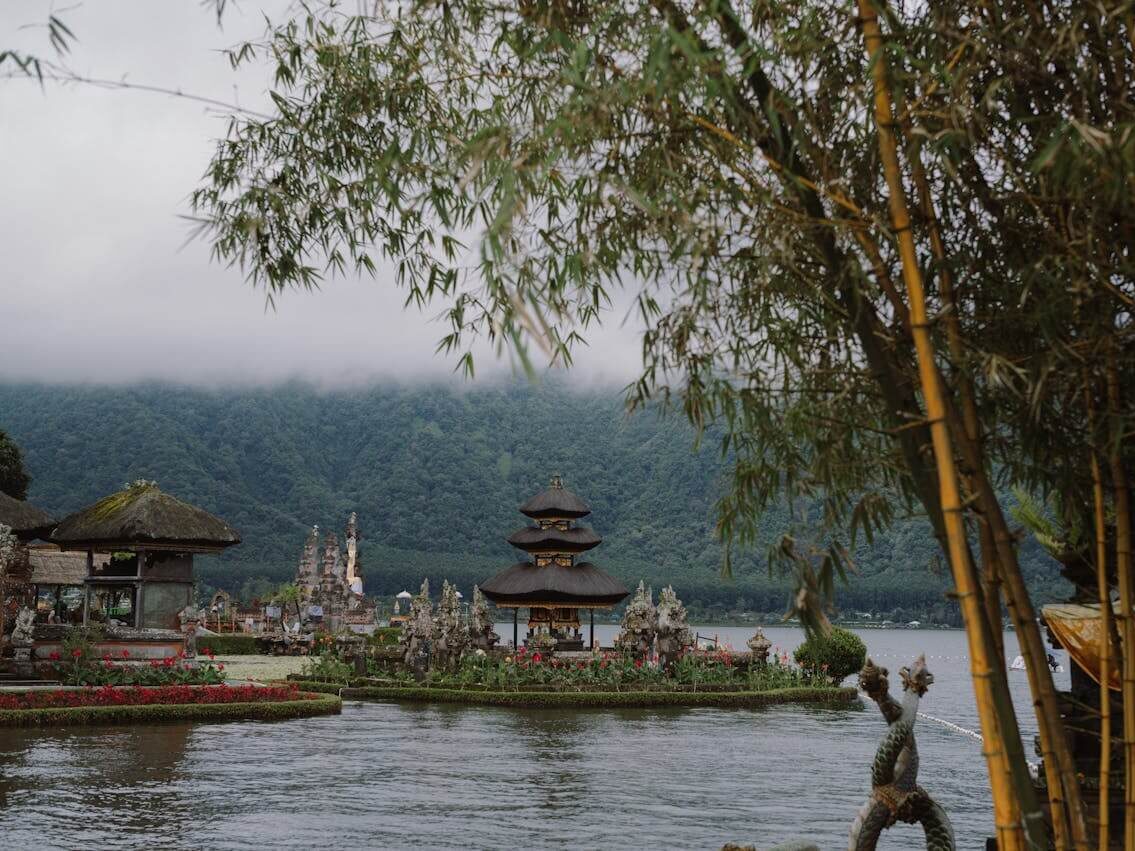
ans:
(674, 634)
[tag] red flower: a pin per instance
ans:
(54, 656)
(125, 653)
(221, 666)
(638, 663)
(536, 657)
(76, 653)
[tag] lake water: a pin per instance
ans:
(383, 775)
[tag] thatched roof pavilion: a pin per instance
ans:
(553, 587)
(153, 537)
(142, 516)
(25, 520)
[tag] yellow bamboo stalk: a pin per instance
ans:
(1009, 831)
(990, 575)
(998, 556)
(1105, 652)
(1122, 498)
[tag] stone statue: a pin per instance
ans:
(759, 646)
(418, 631)
(189, 618)
(674, 634)
(23, 633)
(451, 637)
(640, 624)
(481, 632)
(895, 793)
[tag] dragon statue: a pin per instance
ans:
(895, 793)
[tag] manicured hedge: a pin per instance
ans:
(320, 686)
(533, 699)
(320, 704)
(229, 645)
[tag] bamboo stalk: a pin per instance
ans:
(1009, 832)
(1105, 651)
(972, 438)
(999, 559)
(1122, 498)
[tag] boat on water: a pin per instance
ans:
(1018, 664)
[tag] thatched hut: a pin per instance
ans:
(25, 520)
(152, 537)
(553, 586)
(26, 523)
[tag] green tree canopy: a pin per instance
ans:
(14, 480)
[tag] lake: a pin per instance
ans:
(383, 775)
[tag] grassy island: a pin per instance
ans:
(593, 680)
(117, 705)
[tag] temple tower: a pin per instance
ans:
(554, 586)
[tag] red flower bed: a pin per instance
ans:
(141, 696)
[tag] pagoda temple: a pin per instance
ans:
(553, 586)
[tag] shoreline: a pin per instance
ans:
(632, 699)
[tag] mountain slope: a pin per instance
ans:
(435, 476)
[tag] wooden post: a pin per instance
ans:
(515, 628)
(138, 592)
(592, 642)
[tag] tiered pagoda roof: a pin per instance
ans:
(554, 579)
(555, 502)
(533, 539)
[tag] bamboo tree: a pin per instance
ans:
(1122, 498)
(1009, 833)
(998, 554)
(1105, 644)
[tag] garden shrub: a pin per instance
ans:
(327, 666)
(385, 636)
(599, 699)
(837, 655)
(301, 706)
(235, 644)
(78, 666)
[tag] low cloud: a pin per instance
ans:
(99, 282)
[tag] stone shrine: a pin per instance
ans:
(330, 580)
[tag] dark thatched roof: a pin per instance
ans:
(579, 585)
(143, 516)
(25, 520)
(556, 501)
(534, 539)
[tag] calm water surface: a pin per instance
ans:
(388, 776)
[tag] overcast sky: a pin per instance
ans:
(97, 282)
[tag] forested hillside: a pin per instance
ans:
(435, 476)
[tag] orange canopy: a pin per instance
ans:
(1078, 628)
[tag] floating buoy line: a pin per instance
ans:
(950, 725)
